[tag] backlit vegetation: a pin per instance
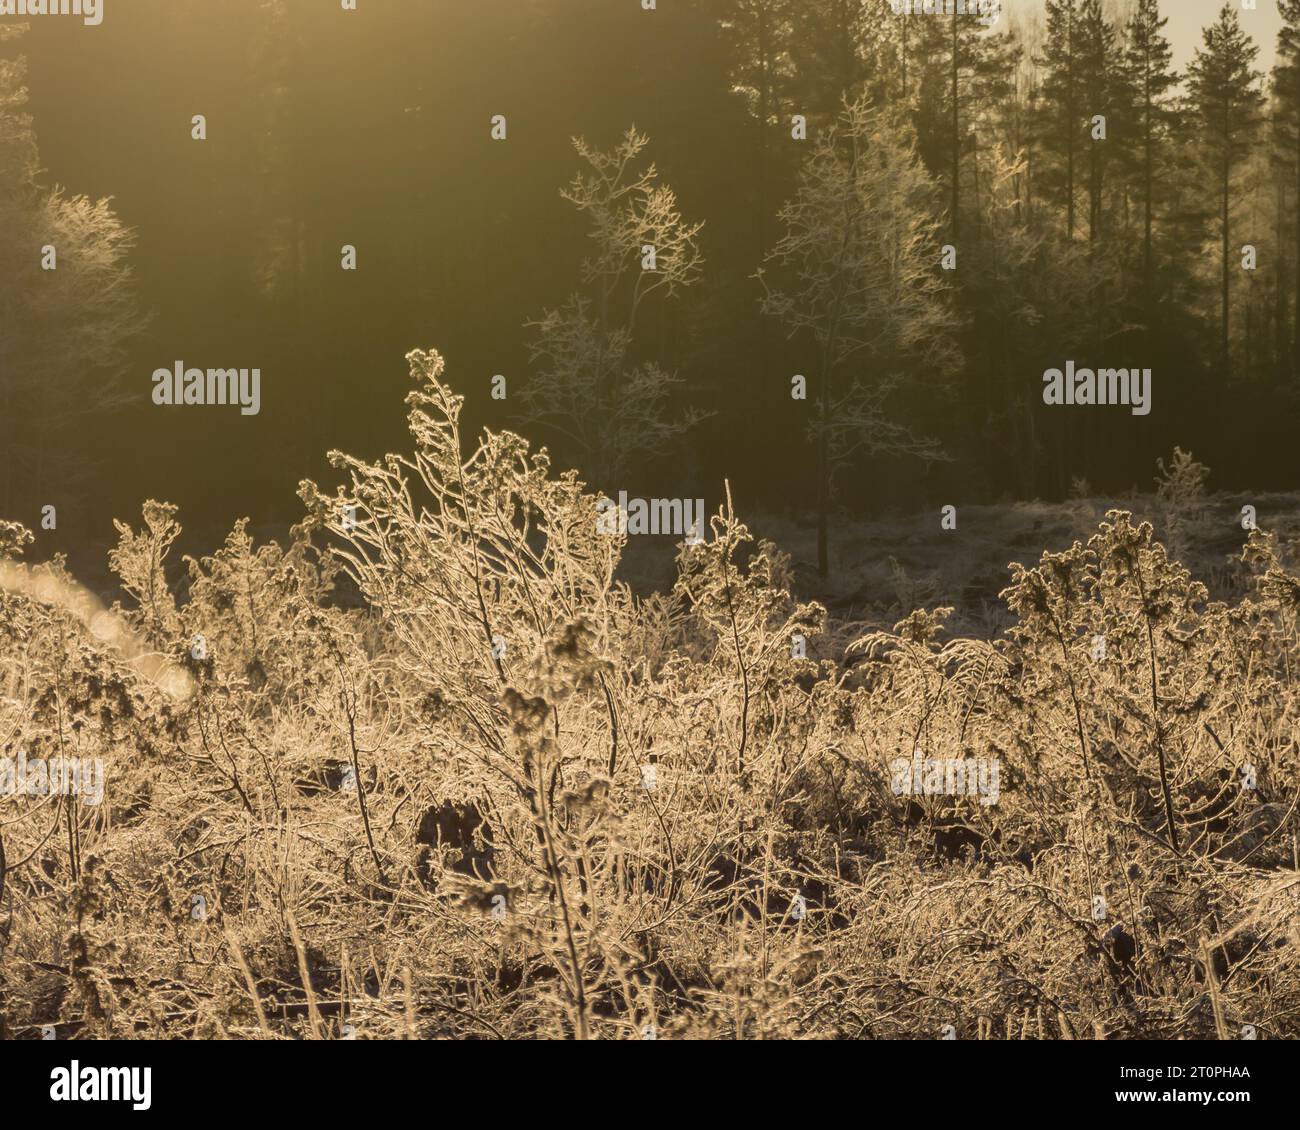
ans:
(436, 772)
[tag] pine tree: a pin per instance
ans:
(758, 34)
(762, 73)
(1286, 93)
(1151, 84)
(1063, 104)
(965, 73)
(1227, 104)
(827, 51)
(1098, 64)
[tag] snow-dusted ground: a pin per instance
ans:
(881, 569)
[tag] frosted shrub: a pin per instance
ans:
(432, 770)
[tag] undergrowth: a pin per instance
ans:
(431, 770)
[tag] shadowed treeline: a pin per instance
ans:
(372, 129)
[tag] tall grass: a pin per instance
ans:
(408, 771)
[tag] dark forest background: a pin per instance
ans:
(372, 128)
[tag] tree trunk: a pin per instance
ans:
(1295, 357)
(1148, 180)
(956, 136)
(1071, 124)
(1225, 344)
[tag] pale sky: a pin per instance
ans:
(1188, 17)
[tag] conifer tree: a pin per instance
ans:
(1227, 104)
(1099, 64)
(1151, 83)
(762, 73)
(965, 73)
(1286, 93)
(1062, 105)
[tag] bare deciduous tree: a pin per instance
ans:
(65, 315)
(856, 272)
(588, 385)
